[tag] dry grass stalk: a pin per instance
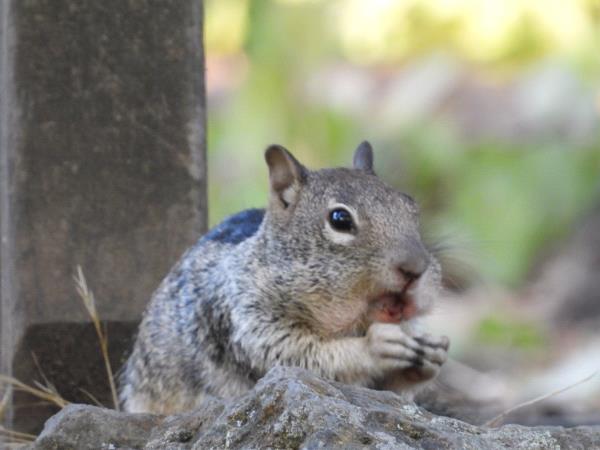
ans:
(94, 400)
(495, 421)
(39, 368)
(90, 305)
(48, 393)
(16, 437)
(4, 403)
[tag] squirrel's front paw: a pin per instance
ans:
(433, 352)
(415, 359)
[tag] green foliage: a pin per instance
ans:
(509, 332)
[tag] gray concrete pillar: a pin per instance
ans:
(102, 164)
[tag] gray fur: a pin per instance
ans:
(363, 157)
(280, 290)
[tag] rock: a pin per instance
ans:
(292, 408)
(89, 427)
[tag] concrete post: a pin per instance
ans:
(102, 164)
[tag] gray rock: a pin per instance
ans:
(291, 408)
(89, 427)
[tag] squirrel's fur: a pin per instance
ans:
(282, 286)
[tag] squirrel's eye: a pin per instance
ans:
(341, 220)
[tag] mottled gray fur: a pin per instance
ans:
(283, 287)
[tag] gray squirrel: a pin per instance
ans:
(331, 277)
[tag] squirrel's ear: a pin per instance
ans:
(363, 157)
(286, 174)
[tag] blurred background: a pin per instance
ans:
(487, 112)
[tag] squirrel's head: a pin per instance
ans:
(345, 244)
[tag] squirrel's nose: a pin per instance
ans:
(409, 275)
(413, 262)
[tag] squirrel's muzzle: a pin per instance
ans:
(410, 261)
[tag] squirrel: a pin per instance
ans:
(332, 277)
